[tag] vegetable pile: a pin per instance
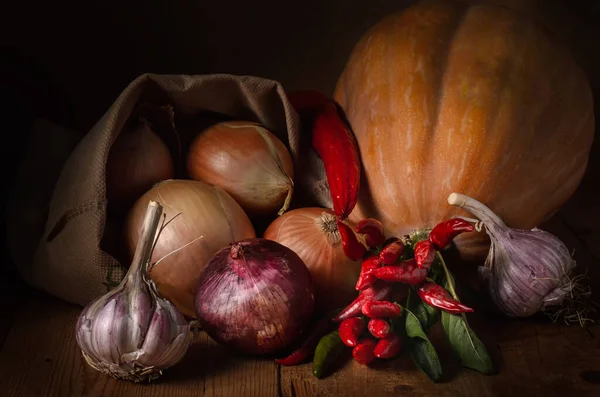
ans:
(404, 289)
(266, 275)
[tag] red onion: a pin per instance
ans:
(255, 296)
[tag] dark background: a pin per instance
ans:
(67, 60)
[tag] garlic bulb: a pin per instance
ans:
(526, 271)
(131, 332)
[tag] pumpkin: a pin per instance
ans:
(446, 97)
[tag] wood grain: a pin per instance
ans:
(41, 358)
(531, 360)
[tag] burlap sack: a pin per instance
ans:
(67, 261)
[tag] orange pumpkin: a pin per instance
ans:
(445, 97)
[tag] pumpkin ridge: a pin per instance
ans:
(489, 153)
(434, 128)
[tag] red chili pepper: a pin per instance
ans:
(380, 308)
(373, 230)
(308, 345)
(406, 272)
(424, 254)
(379, 328)
(444, 232)
(388, 347)
(366, 278)
(363, 352)
(378, 291)
(391, 251)
(335, 143)
(435, 295)
(350, 244)
(351, 329)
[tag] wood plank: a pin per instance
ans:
(533, 359)
(41, 358)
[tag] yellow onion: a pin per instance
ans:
(248, 162)
(209, 219)
(313, 235)
(138, 159)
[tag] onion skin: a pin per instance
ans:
(137, 160)
(236, 156)
(312, 234)
(255, 296)
(205, 211)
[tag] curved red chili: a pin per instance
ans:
(373, 230)
(335, 144)
(353, 248)
(424, 253)
(380, 308)
(379, 328)
(435, 295)
(351, 329)
(378, 291)
(364, 350)
(444, 232)
(366, 278)
(391, 251)
(388, 347)
(406, 272)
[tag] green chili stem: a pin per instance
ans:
(448, 277)
(451, 284)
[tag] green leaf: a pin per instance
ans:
(471, 352)
(408, 253)
(436, 271)
(427, 315)
(421, 350)
(467, 347)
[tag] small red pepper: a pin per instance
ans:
(444, 232)
(308, 345)
(379, 328)
(363, 352)
(378, 291)
(366, 278)
(392, 250)
(380, 308)
(335, 144)
(424, 254)
(351, 329)
(373, 230)
(435, 295)
(406, 272)
(388, 347)
(353, 248)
